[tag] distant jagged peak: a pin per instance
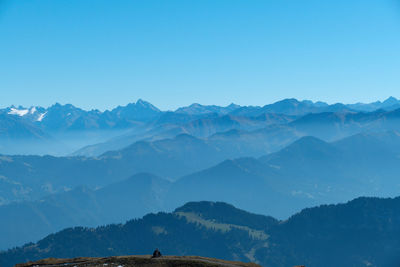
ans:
(63, 107)
(198, 109)
(139, 104)
(295, 101)
(391, 101)
(20, 111)
(321, 104)
(34, 113)
(286, 101)
(196, 105)
(145, 104)
(233, 106)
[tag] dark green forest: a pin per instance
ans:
(362, 232)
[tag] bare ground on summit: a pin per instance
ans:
(137, 261)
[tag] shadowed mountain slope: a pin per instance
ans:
(134, 197)
(362, 232)
(201, 126)
(308, 172)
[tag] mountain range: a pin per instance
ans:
(107, 167)
(59, 192)
(64, 129)
(362, 232)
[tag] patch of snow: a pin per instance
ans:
(19, 112)
(41, 116)
(32, 110)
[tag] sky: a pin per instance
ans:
(100, 54)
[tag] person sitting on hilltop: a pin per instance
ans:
(156, 253)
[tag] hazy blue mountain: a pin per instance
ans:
(203, 126)
(364, 164)
(167, 125)
(185, 154)
(140, 111)
(26, 221)
(255, 143)
(168, 158)
(244, 182)
(67, 117)
(291, 107)
(307, 172)
(329, 126)
(389, 104)
(32, 114)
(332, 126)
(295, 107)
(14, 127)
(61, 118)
(68, 128)
(196, 109)
(362, 232)
(18, 135)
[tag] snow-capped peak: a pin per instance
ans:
(41, 116)
(19, 112)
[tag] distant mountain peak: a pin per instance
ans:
(233, 105)
(199, 109)
(307, 145)
(390, 101)
(145, 104)
(288, 101)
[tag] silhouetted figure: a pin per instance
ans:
(156, 253)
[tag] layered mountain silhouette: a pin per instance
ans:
(329, 126)
(305, 173)
(362, 232)
(133, 197)
(277, 159)
(67, 128)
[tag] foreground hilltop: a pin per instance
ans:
(363, 232)
(139, 261)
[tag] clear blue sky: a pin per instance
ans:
(99, 54)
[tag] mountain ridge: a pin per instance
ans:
(325, 235)
(66, 128)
